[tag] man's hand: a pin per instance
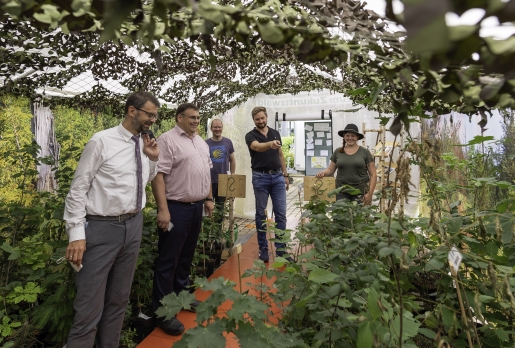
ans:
(150, 148)
(287, 180)
(367, 199)
(75, 251)
(320, 174)
(163, 219)
(275, 144)
(209, 206)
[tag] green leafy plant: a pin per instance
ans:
(365, 279)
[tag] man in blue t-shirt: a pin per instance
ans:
(221, 151)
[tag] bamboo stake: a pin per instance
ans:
(239, 272)
(237, 250)
(269, 234)
(463, 313)
(231, 222)
(401, 154)
(382, 204)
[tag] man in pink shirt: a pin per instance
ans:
(182, 187)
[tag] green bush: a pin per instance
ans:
(287, 148)
(369, 279)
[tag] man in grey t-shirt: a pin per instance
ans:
(221, 151)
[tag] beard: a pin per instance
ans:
(139, 125)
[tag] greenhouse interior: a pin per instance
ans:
(261, 173)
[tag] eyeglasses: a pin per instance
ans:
(149, 114)
(193, 118)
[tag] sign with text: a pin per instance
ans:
(319, 188)
(455, 258)
(231, 185)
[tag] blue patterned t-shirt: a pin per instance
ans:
(219, 152)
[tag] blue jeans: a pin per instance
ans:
(272, 185)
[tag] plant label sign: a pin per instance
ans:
(231, 185)
(455, 258)
(319, 188)
(237, 249)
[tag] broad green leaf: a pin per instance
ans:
(333, 290)
(270, 33)
(322, 276)
(478, 139)
(429, 37)
(205, 337)
(505, 269)
(448, 316)
(248, 336)
(409, 327)
(385, 252)
(460, 32)
(434, 264)
(365, 337)
(455, 224)
(490, 90)
(211, 13)
(506, 221)
(372, 302)
(485, 298)
(491, 248)
(503, 336)
(172, 304)
(247, 304)
(14, 252)
(426, 332)
(501, 46)
(412, 239)
(13, 8)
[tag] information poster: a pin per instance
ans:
(319, 146)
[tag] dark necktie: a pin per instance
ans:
(138, 172)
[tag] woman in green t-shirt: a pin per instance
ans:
(355, 166)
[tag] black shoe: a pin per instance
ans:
(263, 254)
(287, 257)
(172, 327)
(193, 306)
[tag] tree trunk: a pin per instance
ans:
(44, 133)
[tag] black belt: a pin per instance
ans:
(189, 203)
(268, 171)
(119, 218)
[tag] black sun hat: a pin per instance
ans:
(351, 127)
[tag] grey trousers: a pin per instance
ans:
(104, 283)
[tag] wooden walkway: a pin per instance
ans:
(229, 270)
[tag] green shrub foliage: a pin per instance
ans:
(367, 279)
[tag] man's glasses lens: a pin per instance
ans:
(149, 114)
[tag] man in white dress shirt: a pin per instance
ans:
(104, 221)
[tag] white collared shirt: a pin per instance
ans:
(105, 181)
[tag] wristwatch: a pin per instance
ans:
(209, 199)
(286, 175)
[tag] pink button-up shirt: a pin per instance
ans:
(186, 165)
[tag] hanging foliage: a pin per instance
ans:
(219, 54)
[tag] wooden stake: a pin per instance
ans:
(463, 313)
(231, 220)
(239, 272)
(382, 204)
(237, 250)
(269, 234)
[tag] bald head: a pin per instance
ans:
(217, 127)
